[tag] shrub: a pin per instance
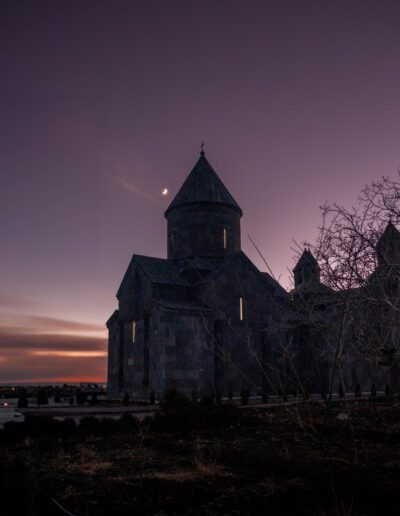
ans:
(14, 432)
(68, 427)
(244, 396)
(174, 400)
(357, 390)
(42, 397)
(22, 398)
(80, 397)
(373, 391)
(128, 424)
(90, 425)
(152, 398)
(194, 396)
(341, 390)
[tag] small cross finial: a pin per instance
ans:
(202, 148)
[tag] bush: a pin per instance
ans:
(244, 396)
(42, 426)
(90, 425)
(373, 391)
(196, 417)
(14, 432)
(42, 397)
(357, 390)
(128, 424)
(341, 390)
(22, 398)
(174, 400)
(81, 397)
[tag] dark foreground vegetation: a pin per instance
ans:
(205, 459)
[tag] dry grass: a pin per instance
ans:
(85, 461)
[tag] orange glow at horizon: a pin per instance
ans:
(70, 354)
(58, 379)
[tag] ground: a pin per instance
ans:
(294, 459)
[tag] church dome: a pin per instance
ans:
(203, 186)
(203, 218)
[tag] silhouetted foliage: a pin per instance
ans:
(341, 390)
(357, 390)
(90, 425)
(125, 399)
(244, 396)
(80, 397)
(42, 397)
(174, 400)
(373, 391)
(22, 398)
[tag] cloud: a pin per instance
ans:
(16, 301)
(22, 324)
(46, 349)
(135, 176)
(128, 185)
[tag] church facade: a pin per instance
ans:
(205, 318)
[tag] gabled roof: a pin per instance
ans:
(158, 270)
(112, 318)
(268, 280)
(307, 258)
(203, 186)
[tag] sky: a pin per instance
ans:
(105, 103)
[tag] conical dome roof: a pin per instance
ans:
(203, 186)
(389, 236)
(306, 259)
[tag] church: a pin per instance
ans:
(206, 319)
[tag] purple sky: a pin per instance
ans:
(104, 103)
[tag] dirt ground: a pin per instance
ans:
(293, 460)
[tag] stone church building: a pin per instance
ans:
(206, 318)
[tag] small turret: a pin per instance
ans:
(306, 270)
(388, 246)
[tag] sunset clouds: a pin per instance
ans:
(45, 349)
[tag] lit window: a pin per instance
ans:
(133, 331)
(241, 308)
(225, 239)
